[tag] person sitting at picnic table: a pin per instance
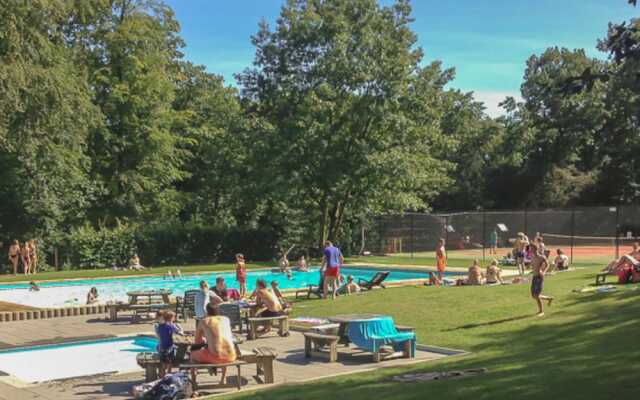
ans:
(561, 262)
(267, 302)
(92, 296)
(203, 298)
(214, 332)
(33, 287)
(276, 291)
(349, 286)
(165, 330)
(221, 289)
(626, 260)
(302, 264)
(494, 273)
(134, 263)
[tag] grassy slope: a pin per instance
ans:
(585, 347)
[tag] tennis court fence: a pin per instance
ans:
(583, 233)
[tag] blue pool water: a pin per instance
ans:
(70, 292)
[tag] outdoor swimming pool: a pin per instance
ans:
(74, 292)
(60, 361)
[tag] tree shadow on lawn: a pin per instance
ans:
(583, 350)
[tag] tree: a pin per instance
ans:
(46, 115)
(341, 83)
(137, 154)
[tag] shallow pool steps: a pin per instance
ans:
(44, 313)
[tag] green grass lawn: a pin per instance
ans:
(586, 347)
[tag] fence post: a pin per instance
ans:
(446, 230)
(525, 220)
(412, 243)
(617, 229)
(484, 234)
(573, 231)
(380, 243)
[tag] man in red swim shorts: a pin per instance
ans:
(332, 260)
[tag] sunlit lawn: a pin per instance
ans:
(586, 347)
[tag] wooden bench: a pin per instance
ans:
(138, 309)
(150, 362)
(314, 342)
(254, 323)
(238, 364)
(263, 358)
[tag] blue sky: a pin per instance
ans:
(487, 41)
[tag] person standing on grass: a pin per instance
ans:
(241, 274)
(441, 258)
(539, 265)
(493, 242)
(519, 248)
(332, 260)
(14, 256)
(25, 257)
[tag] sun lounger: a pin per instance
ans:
(377, 280)
(315, 290)
(376, 335)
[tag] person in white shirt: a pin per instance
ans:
(561, 261)
(204, 297)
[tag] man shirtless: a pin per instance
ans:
(539, 265)
(519, 247)
(219, 348)
(267, 301)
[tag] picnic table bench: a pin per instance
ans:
(315, 342)
(197, 366)
(255, 322)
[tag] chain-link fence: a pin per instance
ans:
(589, 234)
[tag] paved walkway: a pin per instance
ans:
(290, 366)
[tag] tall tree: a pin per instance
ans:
(46, 115)
(137, 154)
(335, 78)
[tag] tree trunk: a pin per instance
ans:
(324, 216)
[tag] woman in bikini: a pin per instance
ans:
(25, 258)
(14, 256)
(241, 274)
(33, 256)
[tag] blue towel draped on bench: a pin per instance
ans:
(371, 334)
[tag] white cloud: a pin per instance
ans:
(491, 99)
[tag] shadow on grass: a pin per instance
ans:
(586, 349)
(490, 323)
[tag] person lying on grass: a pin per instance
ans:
(349, 286)
(629, 259)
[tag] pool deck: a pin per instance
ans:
(290, 367)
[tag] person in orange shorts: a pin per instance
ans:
(219, 349)
(441, 258)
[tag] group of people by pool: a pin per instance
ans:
(24, 255)
(538, 261)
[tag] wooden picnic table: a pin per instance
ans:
(149, 295)
(344, 319)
